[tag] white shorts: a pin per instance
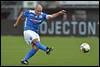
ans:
(30, 35)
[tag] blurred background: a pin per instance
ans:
(85, 15)
(65, 33)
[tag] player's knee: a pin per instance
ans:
(35, 47)
(37, 43)
(35, 40)
(33, 44)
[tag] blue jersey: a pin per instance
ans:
(32, 20)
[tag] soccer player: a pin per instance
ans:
(33, 18)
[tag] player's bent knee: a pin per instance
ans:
(37, 44)
(35, 40)
(35, 47)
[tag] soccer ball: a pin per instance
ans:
(85, 47)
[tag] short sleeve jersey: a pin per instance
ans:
(32, 21)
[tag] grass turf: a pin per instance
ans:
(66, 51)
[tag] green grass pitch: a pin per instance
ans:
(66, 51)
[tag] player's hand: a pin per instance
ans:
(62, 12)
(15, 25)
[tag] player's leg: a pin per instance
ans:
(29, 36)
(41, 46)
(37, 42)
(34, 46)
(33, 38)
(30, 54)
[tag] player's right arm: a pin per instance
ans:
(18, 21)
(62, 12)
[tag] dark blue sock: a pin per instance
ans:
(40, 46)
(30, 54)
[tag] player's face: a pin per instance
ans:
(38, 11)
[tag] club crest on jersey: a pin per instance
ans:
(40, 16)
(36, 21)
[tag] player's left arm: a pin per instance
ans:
(62, 12)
